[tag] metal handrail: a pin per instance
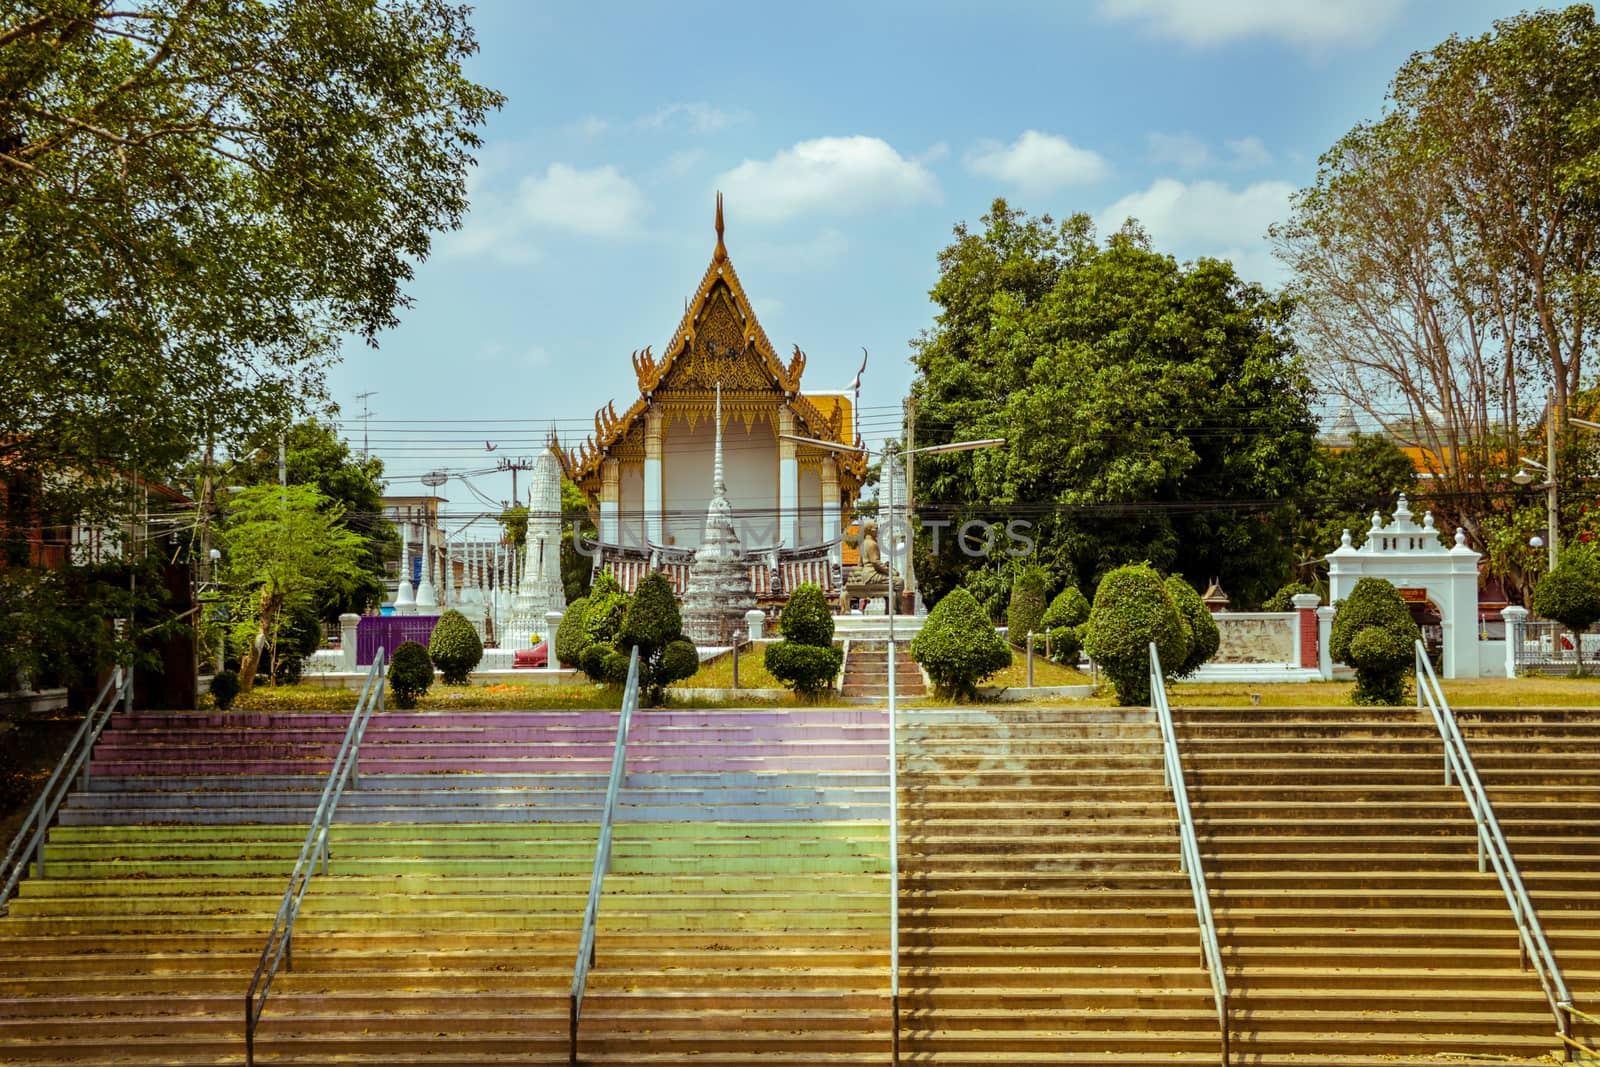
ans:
(602, 857)
(29, 841)
(279, 949)
(1189, 845)
(1492, 846)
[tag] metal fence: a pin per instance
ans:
(1545, 647)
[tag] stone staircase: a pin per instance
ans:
(1348, 899)
(1541, 767)
(746, 915)
(866, 672)
(1043, 916)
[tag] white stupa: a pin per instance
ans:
(541, 590)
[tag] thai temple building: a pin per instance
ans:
(648, 472)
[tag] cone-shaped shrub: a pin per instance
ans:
(1131, 609)
(1025, 611)
(652, 624)
(410, 674)
(572, 636)
(455, 647)
(958, 646)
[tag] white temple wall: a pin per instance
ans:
(750, 465)
(810, 506)
(631, 508)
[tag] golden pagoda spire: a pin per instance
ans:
(722, 249)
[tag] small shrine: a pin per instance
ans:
(648, 472)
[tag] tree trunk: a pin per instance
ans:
(270, 604)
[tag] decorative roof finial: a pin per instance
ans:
(722, 249)
(719, 486)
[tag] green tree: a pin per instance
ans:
(1204, 637)
(1133, 608)
(1025, 610)
(1445, 259)
(198, 199)
(577, 568)
(1150, 409)
(1570, 594)
(280, 545)
(1344, 487)
(316, 455)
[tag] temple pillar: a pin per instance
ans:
(653, 433)
(610, 499)
(830, 505)
(788, 482)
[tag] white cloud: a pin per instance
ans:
(829, 175)
(1182, 150)
(1038, 162)
(1249, 152)
(599, 203)
(1206, 23)
(698, 116)
(1189, 153)
(1207, 218)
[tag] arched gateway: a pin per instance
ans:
(648, 471)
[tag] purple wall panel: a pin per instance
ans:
(387, 631)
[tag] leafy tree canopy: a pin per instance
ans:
(1151, 410)
(199, 197)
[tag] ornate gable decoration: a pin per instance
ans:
(718, 340)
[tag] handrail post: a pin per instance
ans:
(1030, 659)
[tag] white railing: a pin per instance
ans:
(1493, 849)
(1189, 845)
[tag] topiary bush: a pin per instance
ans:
(1025, 610)
(1204, 638)
(572, 636)
(807, 618)
(410, 674)
(455, 647)
(224, 688)
(1373, 632)
(1063, 622)
(1570, 594)
(1132, 608)
(805, 660)
(958, 646)
(653, 624)
(608, 607)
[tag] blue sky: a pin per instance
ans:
(847, 139)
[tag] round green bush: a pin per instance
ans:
(958, 646)
(224, 688)
(652, 617)
(1204, 638)
(572, 636)
(1283, 599)
(1132, 608)
(679, 660)
(807, 669)
(1383, 659)
(410, 674)
(455, 647)
(807, 618)
(1025, 611)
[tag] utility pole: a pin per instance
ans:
(521, 463)
(365, 415)
(283, 460)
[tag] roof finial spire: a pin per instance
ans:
(722, 249)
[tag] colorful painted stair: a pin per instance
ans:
(745, 918)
